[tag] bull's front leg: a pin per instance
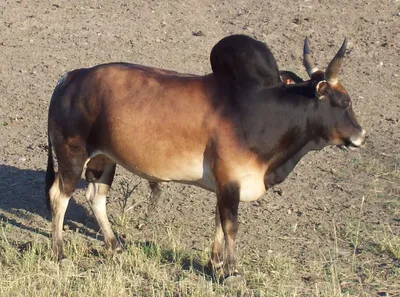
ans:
(228, 197)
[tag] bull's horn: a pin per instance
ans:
(307, 61)
(333, 70)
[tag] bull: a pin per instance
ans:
(226, 132)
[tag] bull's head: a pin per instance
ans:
(343, 128)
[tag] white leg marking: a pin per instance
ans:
(59, 203)
(96, 195)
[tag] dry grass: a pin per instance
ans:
(364, 257)
(148, 269)
(143, 269)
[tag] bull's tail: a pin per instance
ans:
(50, 174)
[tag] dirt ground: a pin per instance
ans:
(337, 203)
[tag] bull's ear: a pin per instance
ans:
(290, 77)
(322, 89)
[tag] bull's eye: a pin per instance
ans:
(346, 103)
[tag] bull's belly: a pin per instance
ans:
(192, 169)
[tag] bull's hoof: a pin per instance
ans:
(58, 257)
(114, 247)
(235, 280)
(216, 271)
(117, 249)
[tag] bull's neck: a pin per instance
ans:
(291, 127)
(281, 166)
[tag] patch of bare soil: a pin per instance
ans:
(330, 218)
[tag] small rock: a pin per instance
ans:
(250, 29)
(198, 33)
(234, 281)
(22, 159)
(66, 264)
(297, 21)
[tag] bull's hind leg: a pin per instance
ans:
(70, 164)
(100, 174)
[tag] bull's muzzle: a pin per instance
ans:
(357, 141)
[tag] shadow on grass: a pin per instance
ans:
(22, 194)
(186, 261)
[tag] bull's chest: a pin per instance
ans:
(251, 183)
(248, 176)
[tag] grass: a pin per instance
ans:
(360, 257)
(143, 269)
(149, 269)
(127, 188)
(387, 242)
